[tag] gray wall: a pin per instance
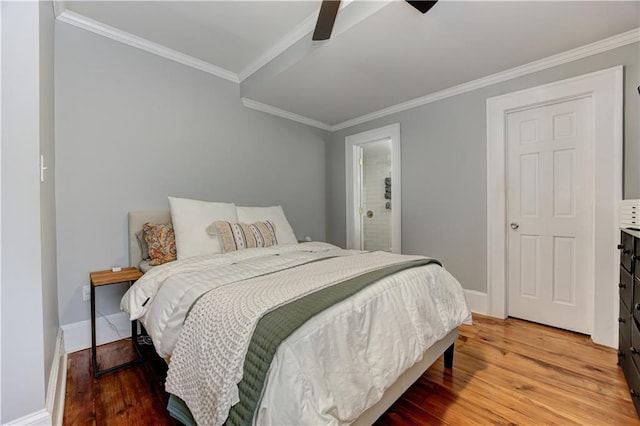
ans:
(47, 188)
(444, 174)
(133, 128)
(23, 383)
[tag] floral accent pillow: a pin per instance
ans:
(162, 242)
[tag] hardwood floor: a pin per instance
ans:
(505, 372)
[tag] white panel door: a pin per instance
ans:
(550, 203)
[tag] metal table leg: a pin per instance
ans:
(134, 340)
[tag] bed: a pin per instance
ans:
(313, 377)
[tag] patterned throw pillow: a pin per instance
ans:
(238, 236)
(161, 241)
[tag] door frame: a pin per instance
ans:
(352, 144)
(605, 88)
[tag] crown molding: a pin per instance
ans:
(258, 106)
(600, 46)
(99, 28)
(58, 7)
(301, 30)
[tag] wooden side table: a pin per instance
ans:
(108, 277)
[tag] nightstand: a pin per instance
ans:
(108, 277)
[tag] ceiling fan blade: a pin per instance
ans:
(422, 6)
(326, 19)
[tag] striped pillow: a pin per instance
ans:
(238, 236)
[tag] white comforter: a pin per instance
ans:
(338, 364)
(163, 296)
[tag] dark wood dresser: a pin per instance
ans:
(629, 317)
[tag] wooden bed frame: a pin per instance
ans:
(431, 355)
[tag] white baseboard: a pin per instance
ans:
(477, 301)
(54, 401)
(77, 336)
(61, 391)
(39, 418)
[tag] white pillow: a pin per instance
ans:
(190, 220)
(284, 232)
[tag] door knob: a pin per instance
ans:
(514, 226)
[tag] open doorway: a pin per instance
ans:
(373, 189)
(375, 195)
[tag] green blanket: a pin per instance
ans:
(276, 326)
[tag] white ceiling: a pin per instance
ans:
(381, 54)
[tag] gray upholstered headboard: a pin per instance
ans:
(136, 221)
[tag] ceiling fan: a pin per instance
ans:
(329, 11)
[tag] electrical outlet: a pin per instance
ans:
(86, 293)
